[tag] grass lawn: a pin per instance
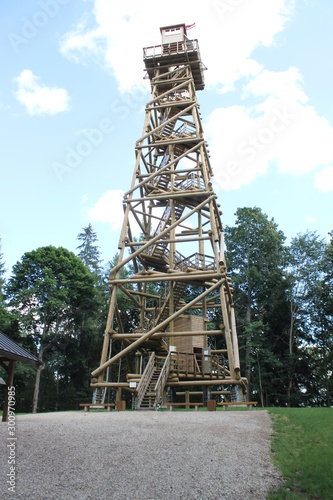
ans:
(303, 451)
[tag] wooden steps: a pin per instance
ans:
(150, 394)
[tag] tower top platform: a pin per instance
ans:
(176, 49)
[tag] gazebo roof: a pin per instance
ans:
(9, 350)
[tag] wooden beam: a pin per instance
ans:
(134, 336)
(204, 382)
(149, 334)
(170, 195)
(159, 236)
(151, 176)
(202, 277)
(175, 240)
(109, 384)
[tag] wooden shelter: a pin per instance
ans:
(177, 275)
(10, 353)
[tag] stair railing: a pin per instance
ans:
(162, 379)
(146, 378)
(99, 395)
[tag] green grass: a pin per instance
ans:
(303, 451)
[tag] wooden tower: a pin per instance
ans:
(176, 278)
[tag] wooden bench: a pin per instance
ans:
(184, 405)
(249, 404)
(97, 406)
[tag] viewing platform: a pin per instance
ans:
(176, 49)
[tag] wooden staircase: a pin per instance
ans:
(160, 248)
(152, 383)
(99, 395)
(178, 291)
(148, 400)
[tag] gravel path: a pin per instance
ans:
(140, 455)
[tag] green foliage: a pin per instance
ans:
(8, 322)
(57, 305)
(2, 271)
(310, 268)
(88, 250)
(52, 294)
(50, 289)
(303, 451)
(255, 259)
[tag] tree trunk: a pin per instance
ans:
(37, 382)
(260, 382)
(326, 376)
(248, 345)
(291, 345)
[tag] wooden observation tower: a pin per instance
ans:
(174, 303)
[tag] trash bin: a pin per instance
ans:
(211, 405)
(121, 405)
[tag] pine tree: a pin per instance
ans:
(2, 270)
(255, 260)
(88, 250)
(310, 338)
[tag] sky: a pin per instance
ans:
(72, 105)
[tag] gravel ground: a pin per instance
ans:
(140, 455)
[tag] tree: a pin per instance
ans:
(310, 272)
(88, 251)
(255, 259)
(323, 325)
(2, 270)
(51, 289)
(304, 274)
(7, 320)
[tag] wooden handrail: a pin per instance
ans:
(160, 384)
(185, 362)
(146, 378)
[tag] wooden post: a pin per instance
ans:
(118, 394)
(187, 399)
(164, 397)
(235, 343)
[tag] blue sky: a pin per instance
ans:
(72, 99)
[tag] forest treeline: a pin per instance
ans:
(55, 304)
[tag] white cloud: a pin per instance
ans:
(283, 85)
(281, 129)
(82, 43)
(324, 180)
(40, 99)
(109, 208)
(121, 29)
(276, 124)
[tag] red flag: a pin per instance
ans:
(190, 26)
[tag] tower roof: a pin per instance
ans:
(176, 49)
(182, 25)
